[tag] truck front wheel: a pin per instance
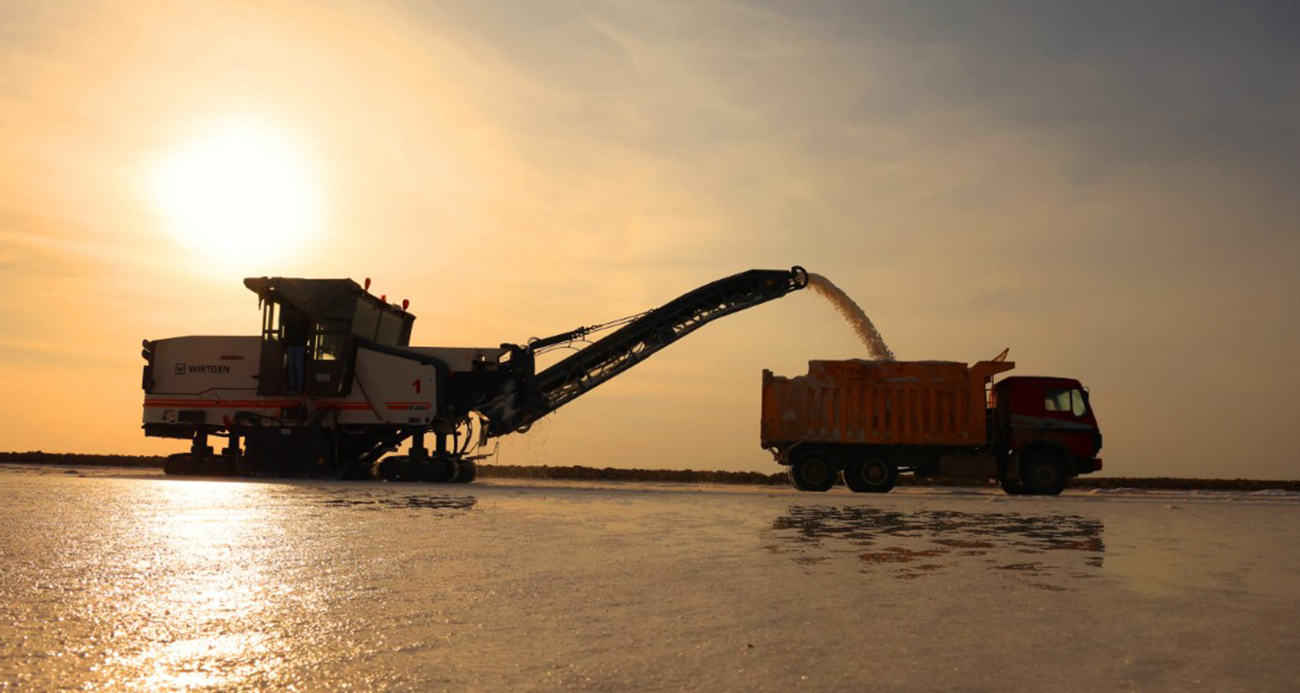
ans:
(872, 475)
(1042, 473)
(812, 471)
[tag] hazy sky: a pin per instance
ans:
(1108, 188)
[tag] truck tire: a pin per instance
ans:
(1011, 488)
(871, 475)
(1042, 473)
(812, 471)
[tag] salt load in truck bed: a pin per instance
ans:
(886, 402)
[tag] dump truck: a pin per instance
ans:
(870, 420)
(331, 384)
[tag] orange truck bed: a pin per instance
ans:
(879, 402)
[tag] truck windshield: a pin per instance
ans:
(1056, 400)
(1061, 400)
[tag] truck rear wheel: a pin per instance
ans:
(1042, 473)
(812, 471)
(872, 475)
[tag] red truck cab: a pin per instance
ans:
(1045, 431)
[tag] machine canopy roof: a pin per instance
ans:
(331, 298)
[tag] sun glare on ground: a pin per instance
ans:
(241, 194)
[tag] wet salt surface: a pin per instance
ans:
(132, 581)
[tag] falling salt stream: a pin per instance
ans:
(853, 313)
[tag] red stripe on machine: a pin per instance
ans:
(408, 406)
(246, 404)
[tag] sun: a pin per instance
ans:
(241, 194)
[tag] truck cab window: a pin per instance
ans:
(1056, 400)
(1080, 407)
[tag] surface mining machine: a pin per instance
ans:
(332, 385)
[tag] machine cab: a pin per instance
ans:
(1057, 409)
(310, 332)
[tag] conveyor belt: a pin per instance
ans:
(633, 343)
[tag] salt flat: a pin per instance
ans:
(131, 581)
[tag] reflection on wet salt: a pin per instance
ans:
(233, 585)
(168, 584)
(193, 619)
(916, 543)
(384, 501)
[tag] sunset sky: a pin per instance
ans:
(1110, 189)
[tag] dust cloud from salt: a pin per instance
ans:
(855, 316)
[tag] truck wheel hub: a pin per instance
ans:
(816, 471)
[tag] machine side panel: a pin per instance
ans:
(399, 390)
(194, 365)
(206, 381)
(219, 408)
(212, 381)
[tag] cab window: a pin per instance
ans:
(327, 346)
(366, 321)
(1056, 400)
(1065, 401)
(329, 340)
(390, 329)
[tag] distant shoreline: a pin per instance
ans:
(688, 476)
